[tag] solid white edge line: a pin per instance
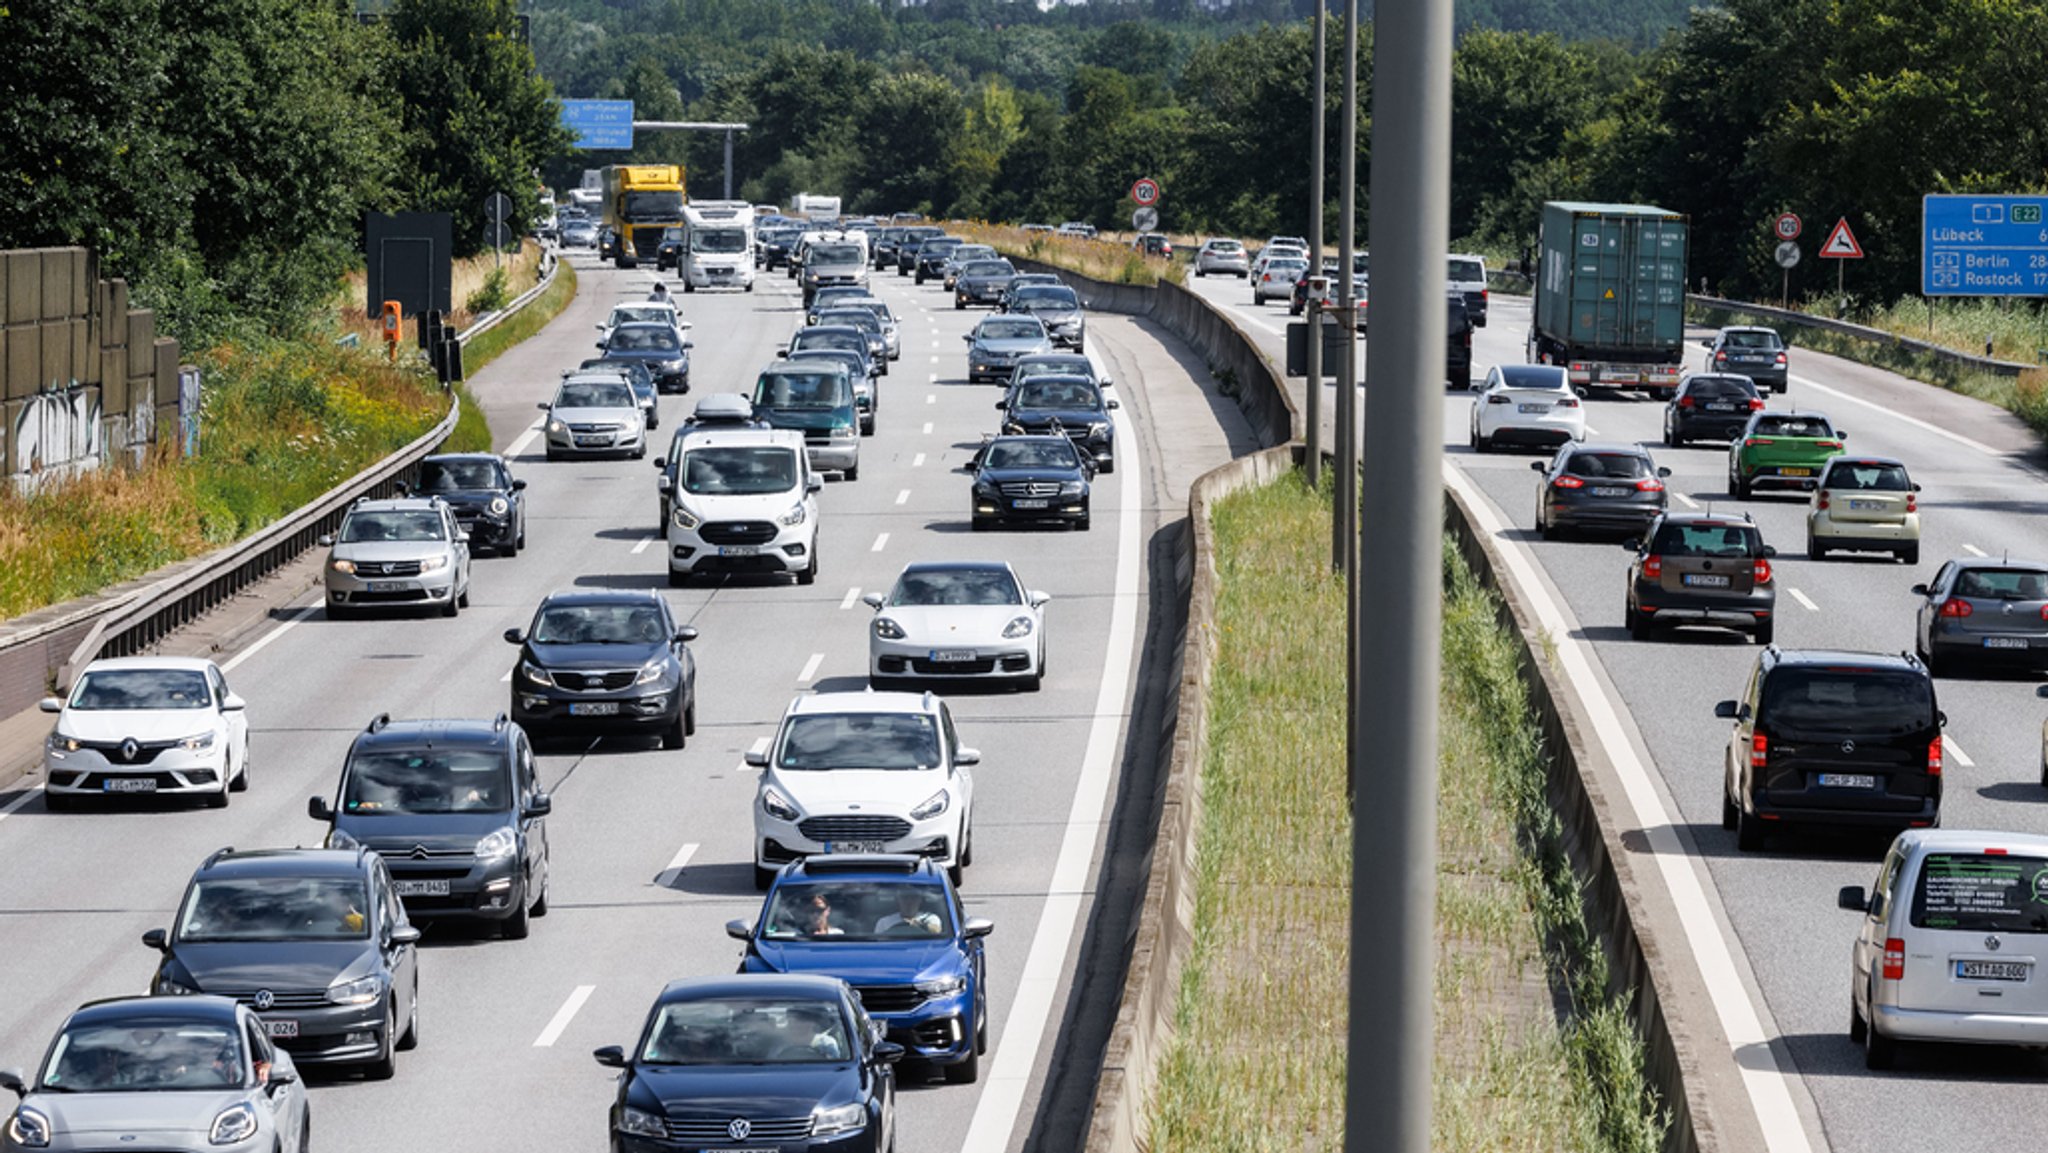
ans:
(1923, 426)
(644, 542)
(1955, 750)
(810, 669)
(563, 1016)
(852, 595)
(1692, 893)
(234, 662)
(1024, 1030)
(676, 865)
(520, 445)
(1802, 599)
(27, 795)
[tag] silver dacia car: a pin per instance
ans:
(397, 552)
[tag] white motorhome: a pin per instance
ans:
(812, 206)
(718, 245)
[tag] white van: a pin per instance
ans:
(743, 500)
(1954, 936)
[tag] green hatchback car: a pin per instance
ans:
(1782, 450)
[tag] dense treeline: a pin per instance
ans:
(221, 153)
(981, 108)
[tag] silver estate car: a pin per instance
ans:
(1224, 257)
(397, 552)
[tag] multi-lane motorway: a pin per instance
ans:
(1774, 912)
(651, 849)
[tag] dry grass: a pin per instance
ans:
(1105, 259)
(522, 271)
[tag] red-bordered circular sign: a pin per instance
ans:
(1786, 226)
(1145, 191)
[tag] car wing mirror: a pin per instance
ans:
(888, 1052)
(325, 540)
(872, 600)
(757, 759)
(1706, 344)
(1922, 591)
(1582, 392)
(405, 935)
(600, 346)
(539, 805)
(1941, 718)
(281, 1074)
(2042, 691)
(319, 809)
(977, 927)
(461, 538)
(514, 637)
(157, 939)
(50, 705)
(686, 633)
(1841, 434)
(739, 930)
(1538, 466)
(964, 757)
(12, 1079)
(1002, 404)
(814, 484)
(1727, 710)
(1770, 550)
(543, 406)
(969, 338)
(1852, 897)
(518, 486)
(1632, 544)
(611, 1057)
(1663, 472)
(1037, 599)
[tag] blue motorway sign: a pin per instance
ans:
(1983, 246)
(599, 123)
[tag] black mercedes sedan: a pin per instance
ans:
(1599, 486)
(610, 660)
(1069, 405)
(1710, 406)
(1030, 479)
(755, 1061)
(489, 502)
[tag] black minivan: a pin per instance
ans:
(1827, 737)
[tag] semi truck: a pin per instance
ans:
(1610, 295)
(812, 206)
(718, 245)
(640, 202)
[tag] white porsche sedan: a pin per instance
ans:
(161, 725)
(958, 619)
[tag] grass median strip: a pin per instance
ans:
(1531, 1052)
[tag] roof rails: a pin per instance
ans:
(378, 722)
(214, 857)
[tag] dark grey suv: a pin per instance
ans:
(612, 660)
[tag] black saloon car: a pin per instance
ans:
(1599, 486)
(489, 503)
(610, 660)
(1757, 353)
(666, 354)
(932, 255)
(1710, 406)
(315, 940)
(1986, 612)
(982, 282)
(1069, 405)
(906, 249)
(1031, 479)
(755, 1061)
(456, 812)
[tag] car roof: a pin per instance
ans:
(415, 733)
(188, 664)
(441, 456)
(791, 985)
(597, 376)
(601, 597)
(1793, 412)
(1731, 377)
(863, 702)
(1974, 840)
(787, 365)
(1710, 519)
(187, 1008)
(1844, 658)
(957, 565)
(1977, 562)
(1612, 448)
(1880, 461)
(1034, 438)
(398, 504)
(728, 437)
(1748, 328)
(653, 324)
(1021, 317)
(830, 328)
(284, 863)
(898, 868)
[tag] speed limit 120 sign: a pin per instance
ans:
(1145, 192)
(1786, 226)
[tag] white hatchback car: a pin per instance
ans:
(864, 773)
(1864, 504)
(157, 725)
(1533, 405)
(958, 619)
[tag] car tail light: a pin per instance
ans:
(1959, 609)
(1649, 484)
(1994, 852)
(1754, 441)
(1912, 502)
(1497, 398)
(1568, 402)
(1781, 358)
(1759, 751)
(1484, 295)
(1685, 402)
(1894, 959)
(1827, 444)
(1721, 358)
(1653, 568)
(1756, 404)
(1820, 499)
(1934, 757)
(1575, 482)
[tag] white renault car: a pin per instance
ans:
(741, 500)
(958, 619)
(864, 772)
(163, 725)
(1526, 405)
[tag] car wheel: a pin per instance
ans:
(1813, 549)
(965, 1072)
(540, 903)
(853, 473)
(1910, 554)
(1638, 623)
(386, 1062)
(977, 524)
(452, 607)
(1731, 813)
(1765, 632)
(410, 1039)
(1879, 1051)
(959, 304)
(677, 579)
(1741, 488)
(1857, 1028)
(516, 926)
(521, 542)
(809, 575)
(218, 799)
(676, 735)
(1780, 388)
(463, 599)
(239, 781)
(337, 612)
(763, 877)
(1749, 832)
(65, 802)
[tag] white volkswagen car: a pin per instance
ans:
(864, 773)
(1528, 405)
(163, 725)
(958, 619)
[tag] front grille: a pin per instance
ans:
(719, 1130)
(145, 751)
(849, 828)
(817, 436)
(400, 597)
(889, 998)
(1031, 488)
(281, 1000)
(163, 780)
(737, 532)
(930, 668)
(601, 681)
(387, 568)
(401, 849)
(593, 429)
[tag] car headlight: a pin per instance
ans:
(1073, 487)
(683, 518)
(433, 564)
(942, 986)
(1021, 627)
(651, 671)
(556, 425)
(888, 630)
(536, 674)
(360, 991)
(336, 839)
(842, 432)
(198, 744)
(60, 744)
(497, 845)
(28, 1128)
(640, 1123)
(776, 805)
(932, 807)
(1099, 430)
(500, 506)
(341, 566)
(677, 365)
(165, 987)
(235, 1123)
(842, 1119)
(795, 515)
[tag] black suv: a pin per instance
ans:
(906, 248)
(931, 257)
(1071, 405)
(489, 503)
(1701, 569)
(1710, 406)
(610, 660)
(315, 940)
(456, 812)
(1458, 345)
(1030, 478)
(1842, 738)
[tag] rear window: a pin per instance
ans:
(1848, 700)
(1766, 340)
(1793, 426)
(1532, 376)
(1464, 270)
(1617, 465)
(1719, 388)
(1980, 893)
(1709, 540)
(1869, 477)
(2007, 584)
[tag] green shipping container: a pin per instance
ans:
(1611, 285)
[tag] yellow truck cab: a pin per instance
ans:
(641, 201)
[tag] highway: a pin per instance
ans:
(1776, 910)
(651, 850)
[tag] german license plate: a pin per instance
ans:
(1030, 504)
(1866, 505)
(1532, 408)
(1611, 490)
(1721, 406)
(281, 1028)
(595, 709)
(855, 847)
(739, 550)
(390, 586)
(748, 1149)
(421, 888)
(1705, 580)
(1993, 970)
(1847, 781)
(1795, 472)
(952, 656)
(128, 785)
(592, 441)
(2005, 642)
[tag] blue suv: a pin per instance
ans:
(891, 926)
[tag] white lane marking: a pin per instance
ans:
(1768, 1083)
(14, 805)
(644, 542)
(676, 865)
(1916, 422)
(1591, 431)
(563, 1016)
(1802, 599)
(1973, 550)
(917, 461)
(810, 669)
(1009, 1075)
(851, 598)
(508, 675)
(933, 377)
(927, 428)
(881, 542)
(1686, 500)
(233, 662)
(1955, 750)
(903, 497)
(526, 438)
(935, 360)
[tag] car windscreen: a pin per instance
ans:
(1227, 247)
(971, 252)
(835, 254)
(956, 586)
(642, 314)
(1868, 476)
(1532, 376)
(746, 1031)
(854, 341)
(718, 240)
(1763, 340)
(1010, 330)
(1048, 296)
(1029, 454)
(1825, 699)
(2002, 584)
(120, 690)
(1286, 264)
(843, 911)
(599, 624)
(738, 470)
(412, 525)
(144, 1054)
(819, 390)
(819, 742)
(594, 394)
(652, 206)
(426, 781)
(1719, 388)
(1982, 893)
(988, 268)
(275, 909)
(457, 475)
(1810, 427)
(1054, 393)
(1705, 539)
(1608, 465)
(1065, 366)
(859, 318)
(643, 338)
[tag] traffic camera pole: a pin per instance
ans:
(1346, 519)
(1312, 464)
(1393, 838)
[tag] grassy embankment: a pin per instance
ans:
(1531, 1051)
(1103, 259)
(282, 422)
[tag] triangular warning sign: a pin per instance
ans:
(1841, 243)
(1610, 294)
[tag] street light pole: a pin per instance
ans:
(1346, 543)
(1393, 840)
(1312, 464)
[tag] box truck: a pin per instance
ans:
(1610, 295)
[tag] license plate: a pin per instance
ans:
(129, 785)
(856, 846)
(1532, 408)
(1866, 505)
(1993, 970)
(1702, 580)
(1612, 377)
(281, 1028)
(1030, 504)
(595, 709)
(1720, 407)
(421, 888)
(748, 1149)
(1795, 472)
(739, 550)
(592, 441)
(390, 586)
(1847, 781)
(2005, 642)
(1611, 491)
(952, 656)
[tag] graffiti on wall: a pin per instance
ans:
(59, 430)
